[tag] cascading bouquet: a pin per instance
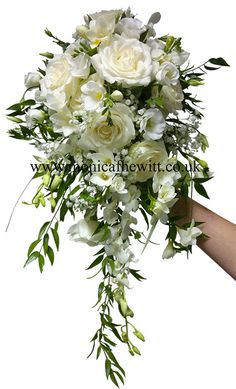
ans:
(118, 124)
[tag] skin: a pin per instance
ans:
(221, 244)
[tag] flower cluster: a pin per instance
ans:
(117, 99)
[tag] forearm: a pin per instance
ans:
(221, 244)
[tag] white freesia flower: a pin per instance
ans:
(166, 199)
(109, 214)
(124, 60)
(64, 122)
(100, 134)
(83, 231)
(33, 116)
(92, 95)
(166, 175)
(167, 74)
(169, 251)
(189, 236)
(153, 124)
(103, 168)
(101, 26)
(144, 155)
(179, 57)
(129, 28)
(32, 80)
(157, 49)
(130, 199)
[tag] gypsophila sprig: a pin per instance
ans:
(116, 123)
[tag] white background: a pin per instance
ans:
(186, 308)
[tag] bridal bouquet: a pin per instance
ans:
(116, 123)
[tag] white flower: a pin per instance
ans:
(101, 26)
(129, 28)
(167, 74)
(80, 66)
(130, 199)
(118, 185)
(172, 96)
(157, 49)
(60, 84)
(166, 199)
(166, 193)
(169, 251)
(102, 174)
(32, 80)
(92, 95)
(33, 116)
(124, 60)
(179, 57)
(143, 157)
(189, 236)
(166, 175)
(117, 96)
(109, 214)
(64, 122)
(83, 231)
(100, 134)
(153, 124)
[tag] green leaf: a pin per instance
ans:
(32, 246)
(119, 375)
(41, 262)
(113, 378)
(145, 217)
(74, 190)
(63, 211)
(211, 67)
(107, 367)
(33, 256)
(135, 274)
(218, 61)
(200, 189)
(56, 238)
(96, 262)
(45, 243)
(184, 190)
(43, 229)
(99, 349)
(50, 254)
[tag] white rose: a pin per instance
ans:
(153, 124)
(83, 231)
(167, 74)
(62, 77)
(32, 80)
(144, 155)
(99, 134)
(172, 96)
(124, 60)
(33, 116)
(101, 26)
(129, 28)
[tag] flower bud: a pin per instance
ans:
(131, 352)
(32, 80)
(169, 251)
(124, 336)
(129, 312)
(46, 179)
(139, 335)
(33, 116)
(117, 95)
(55, 183)
(81, 30)
(123, 307)
(136, 350)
